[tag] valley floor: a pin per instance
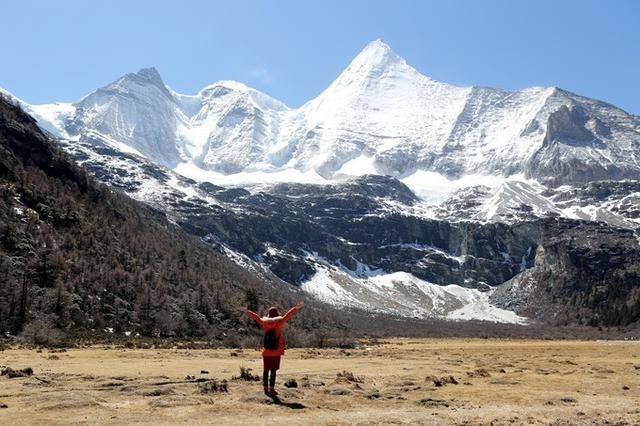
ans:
(498, 382)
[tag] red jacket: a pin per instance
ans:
(276, 323)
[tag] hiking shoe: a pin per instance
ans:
(273, 392)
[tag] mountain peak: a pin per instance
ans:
(149, 75)
(376, 55)
(224, 87)
(378, 44)
(144, 77)
(227, 84)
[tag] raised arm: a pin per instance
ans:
(292, 311)
(252, 315)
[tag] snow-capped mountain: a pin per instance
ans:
(477, 181)
(137, 111)
(379, 116)
(233, 128)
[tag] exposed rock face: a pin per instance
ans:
(568, 126)
(348, 225)
(619, 201)
(584, 142)
(555, 269)
(582, 272)
(615, 202)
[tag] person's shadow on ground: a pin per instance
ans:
(293, 405)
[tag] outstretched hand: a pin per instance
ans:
(300, 304)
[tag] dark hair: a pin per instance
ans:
(273, 312)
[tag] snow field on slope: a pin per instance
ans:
(192, 171)
(404, 294)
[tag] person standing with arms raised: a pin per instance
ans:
(273, 345)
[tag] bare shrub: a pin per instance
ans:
(247, 375)
(347, 343)
(42, 331)
(239, 341)
(318, 339)
(296, 338)
(442, 381)
(480, 372)
(431, 402)
(348, 376)
(12, 374)
(213, 386)
(372, 341)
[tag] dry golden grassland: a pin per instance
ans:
(423, 381)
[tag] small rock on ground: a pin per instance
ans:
(291, 383)
(339, 391)
(430, 402)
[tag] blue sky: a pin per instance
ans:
(61, 50)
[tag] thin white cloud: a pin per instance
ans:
(261, 74)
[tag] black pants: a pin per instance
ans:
(269, 381)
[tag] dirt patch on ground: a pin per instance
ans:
(65, 400)
(169, 401)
